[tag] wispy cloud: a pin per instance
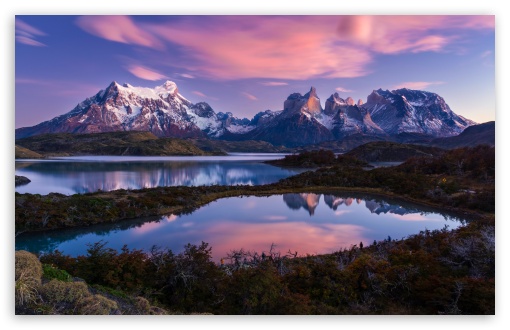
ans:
(250, 96)
(486, 54)
(274, 83)
(344, 90)
(118, 28)
(186, 75)
(198, 93)
(275, 217)
(287, 47)
(145, 73)
(418, 84)
(26, 34)
(61, 87)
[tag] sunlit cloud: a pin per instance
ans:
(486, 54)
(61, 87)
(118, 28)
(26, 34)
(250, 96)
(399, 34)
(344, 90)
(274, 83)
(199, 94)
(275, 217)
(287, 47)
(186, 75)
(145, 73)
(421, 85)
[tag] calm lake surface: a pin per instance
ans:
(71, 175)
(306, 223)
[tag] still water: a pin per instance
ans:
(71, 175)
(303, 223)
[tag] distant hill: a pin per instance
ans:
(24, 153)
(222, 146)
(392, 152)
(473, 135)
(112, 143)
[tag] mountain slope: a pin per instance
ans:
(161, 110)
(412, 111)
(474, 135)
(110, 143)
(400, 115)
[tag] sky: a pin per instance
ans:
(247, 64)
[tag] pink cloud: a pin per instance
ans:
(250, 96)
(289, 47)
(118, 28)
(274, 83)
(199, 94)
(343, 90)
(29, 41)
(186, 75)
(145, 73)
(22, 27)
(26, 34)
(397, 34)
(61, 87)
(421, 85)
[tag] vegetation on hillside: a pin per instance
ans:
(48, 290)
(249, 146)
(392, 152)
(461, 178)
(431, 272)
(317, 158)
(24, 153)
(129, 143)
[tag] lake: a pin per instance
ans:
(71, 175)
(303, 223)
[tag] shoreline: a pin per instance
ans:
(209, 194)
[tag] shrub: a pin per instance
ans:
(57, 291)
(28, 272)
(98, 305)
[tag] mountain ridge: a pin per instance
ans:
(303, 121)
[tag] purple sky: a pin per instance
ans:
(247, 64)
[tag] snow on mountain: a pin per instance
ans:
(412, 111)
(161, 110)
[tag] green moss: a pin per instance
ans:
(51, 272)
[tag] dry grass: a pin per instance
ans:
(28, 272)
(56, 291)
(97, 305)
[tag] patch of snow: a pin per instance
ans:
(325, 121)
(240, 129)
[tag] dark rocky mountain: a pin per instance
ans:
(473, 135)
(400, 115)
(412, 111)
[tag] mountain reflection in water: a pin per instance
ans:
(301, 222)
(70, 176)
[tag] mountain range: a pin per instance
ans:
(302, 121)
